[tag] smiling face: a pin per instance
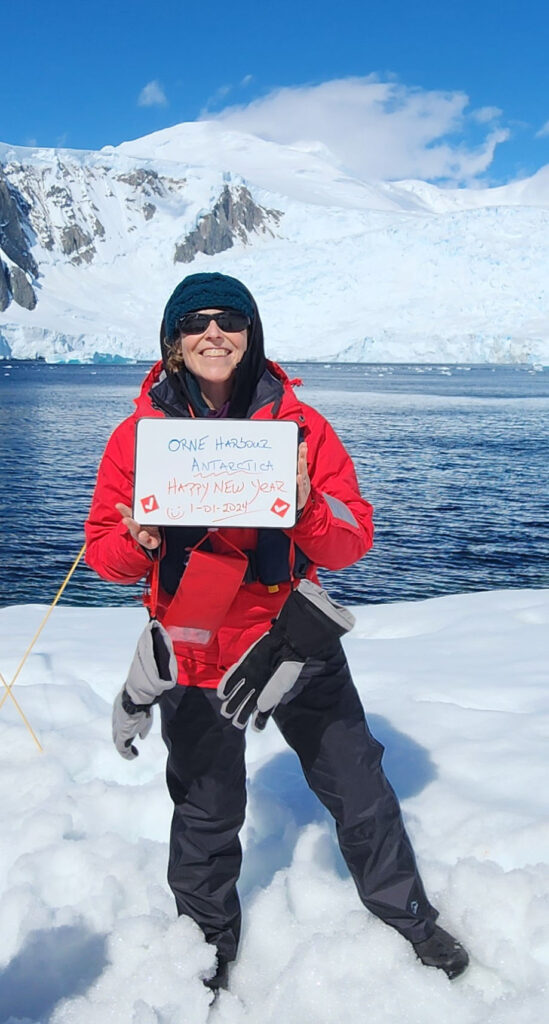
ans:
(212, 357)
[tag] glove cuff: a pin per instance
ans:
(310, 622)
(131, 708)
(336, 614)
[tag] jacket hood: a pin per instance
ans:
(246, 377)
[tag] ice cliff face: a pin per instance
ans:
(91, 244)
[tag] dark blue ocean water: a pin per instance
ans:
(454, 459)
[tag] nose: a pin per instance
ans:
(212, 330)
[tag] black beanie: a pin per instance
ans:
(215, 291)
(205, 291)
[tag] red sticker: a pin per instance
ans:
(150, 503)
(280, 507)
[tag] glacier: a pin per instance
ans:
(342, 269)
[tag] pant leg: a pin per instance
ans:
(341, 760)
(206, 778)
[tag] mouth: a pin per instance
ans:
(215, 353)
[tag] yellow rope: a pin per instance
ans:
(21, 712)
(8, 692)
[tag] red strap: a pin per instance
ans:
(291, 563)
(153, 594)
(152, 600)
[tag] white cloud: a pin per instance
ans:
(486, 114)
(152, 95)
(544, 130)
(218, 95)
(376, 129)
(221, 93)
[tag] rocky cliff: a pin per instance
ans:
(234, 217)
(74, 209)
(63, 198)
(16, 238)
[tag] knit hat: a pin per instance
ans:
(214, 291)
(205, 291)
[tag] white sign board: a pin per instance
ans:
(215, 472)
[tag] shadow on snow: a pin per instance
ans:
(282, 803)
(52, 965)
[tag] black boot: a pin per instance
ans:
(221, 977)
(443, 951)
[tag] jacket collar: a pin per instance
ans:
(157, 391)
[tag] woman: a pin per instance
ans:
(213, 365)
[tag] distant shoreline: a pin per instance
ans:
(118, 361)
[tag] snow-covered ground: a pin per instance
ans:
(456, 687)
(355, 270)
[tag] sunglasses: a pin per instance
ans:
(228, 320)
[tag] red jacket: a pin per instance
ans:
(334, 530)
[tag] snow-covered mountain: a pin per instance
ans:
(91, 244)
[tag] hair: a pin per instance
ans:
(173, 355)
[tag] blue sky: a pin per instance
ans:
(457, 91)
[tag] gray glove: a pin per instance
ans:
(308, 625)
(152, 671)
(128, 722)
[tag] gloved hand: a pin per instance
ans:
(308, 625)
(129, 720)
(153, 670)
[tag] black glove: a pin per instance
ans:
(308, 625)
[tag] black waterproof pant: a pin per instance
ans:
(341, 761)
